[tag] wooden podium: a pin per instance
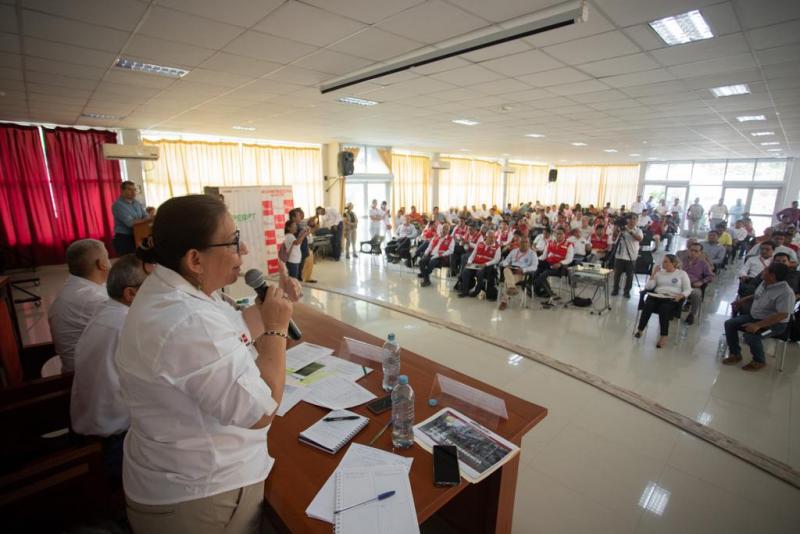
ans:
(142, 230)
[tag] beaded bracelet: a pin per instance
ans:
(275, 333)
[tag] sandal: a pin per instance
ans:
(638, 334)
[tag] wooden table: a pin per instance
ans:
(300, 471)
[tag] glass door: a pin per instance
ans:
(708, 195)
(762, 208)
(674, 192)
(731, 197)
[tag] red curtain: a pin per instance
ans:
(30, 229)
(85, 185)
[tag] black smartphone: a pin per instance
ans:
(380, 405)
(445, 466)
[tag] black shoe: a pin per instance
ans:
(420, 275)
(355, 255)
(462, 295)
(474, 294)
(615, 293)
(690, 319)
(426, 282)
(408, 264)
(627, 295)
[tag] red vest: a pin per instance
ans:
(443, 243)
(557, 252)
(428, 233)
(473, 238)
(460, 231)
(599, 243)
(503, 236)
(484, 253)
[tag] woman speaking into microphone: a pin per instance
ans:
(202, 381)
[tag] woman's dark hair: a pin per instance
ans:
(182, 224)
(287, 226)
(673, 259)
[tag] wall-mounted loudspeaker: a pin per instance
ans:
(553, 175)
(345, 163)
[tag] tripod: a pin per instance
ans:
(612, 255)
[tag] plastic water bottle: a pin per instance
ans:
(722, 347)
(402, 414)
(391, 362)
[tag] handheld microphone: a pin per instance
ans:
(255, 279)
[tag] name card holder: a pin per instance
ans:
(472, 402)
(360, 352)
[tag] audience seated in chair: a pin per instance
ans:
(437, 254)
(556, 257)
(700, 275)
(772, 305)
(399, 248)
(715, 252)
(753, 266)
(517, 265)
(749, 288)
(667, 287)
(481, 260)
(80, 298)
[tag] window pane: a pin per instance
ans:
(741, 171)
(655, 191)
(656, 172)
(708, 195)
(770, 171)
(763, 201)
(679, 193)
(375, 164)
(711, 173)
(679, 172)
(760, 223)
(733, 194)
(360, 164)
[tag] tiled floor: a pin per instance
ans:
(595, 464)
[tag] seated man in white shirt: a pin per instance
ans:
(96, 407)
(517, 264)
(399, 248)
(780, 246)
(581, 245)
(79, 299)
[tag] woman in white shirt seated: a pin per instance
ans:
(668, 286)
(202, 381)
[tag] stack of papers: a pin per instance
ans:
(357, 455)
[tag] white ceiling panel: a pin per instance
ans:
(520, 64)
(781, 54)
(65, 69)
(501, 10)
(68, 53)
(764, 12)
(368, 11)
(334, 63)
(243, 13)
(500, 87)
(470, 75)
(554, 77)
(639, 78)
(188, 29)
(776, 35)
(245, 66)
(268, 47)
(137, 79)
(308, 24)
(596, 23)
(299, 76)
(376, 44)
(8, 19)
(213, 77)
(629, 12)
(597, 47)
(441, 65)
(423, 22)
(119, 14)
(644, 36)
(600, 96)
(578, 87)
(727, 45)
(501, 50)
(72, 32)
(712, 66)
(619, 65)
(165, 53)
(9, 42)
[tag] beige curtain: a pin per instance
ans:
(410, 182)
(187, 166)
(528, 183)
(597, 184)
(620, 185)
(386, 157)
(468, 182)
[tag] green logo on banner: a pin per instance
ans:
(244, 217)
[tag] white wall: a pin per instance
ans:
(791, 190)
(133, 167)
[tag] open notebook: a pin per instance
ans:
(330, 436)
(394, 515)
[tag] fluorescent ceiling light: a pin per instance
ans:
(566, 14)
(244, 128)
(731, 90)
(774, 150)
(610, 150)
(149, 68)
(652, 159)
(761, 134)
(770, 143)
(634, 155)
(357, 101)
(534, 135)
(683, 28)
(465, 122)
(101, 116)
(749, 118)
(578, 144)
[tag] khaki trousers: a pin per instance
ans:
(308, 266)
(233, 512)
(510, 279)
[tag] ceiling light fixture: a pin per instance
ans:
(534, 135)
(683, 28)
(578, 144)
(244, 128)
(610, 150)
(761, 134)
(101, 116)
(770, 143)
(730, 90)
(750, 118)
(150, 68)
(774, 150)
(465, 122)
(634, 155)
(357, 101)
(566, 14)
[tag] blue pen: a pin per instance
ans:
(380, 497)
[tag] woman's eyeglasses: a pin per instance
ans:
(235, 243)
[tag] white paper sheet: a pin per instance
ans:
(301, 355)
(337, 393)
(345, 369)
(291, 396)
(357, 455)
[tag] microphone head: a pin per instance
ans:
(254, 278)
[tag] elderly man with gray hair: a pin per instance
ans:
(79, 299)
(97, 407)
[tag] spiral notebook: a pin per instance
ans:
(330, 436)
(394, 515)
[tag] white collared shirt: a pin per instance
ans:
(69, 314)
(188, 375)
(96, 407)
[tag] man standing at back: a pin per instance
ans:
(80, 298)
(96, 407)
(694, 215)
(127, 211)
(718, 214)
